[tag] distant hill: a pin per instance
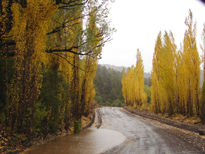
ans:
(108, 86)
(120, 69)
(116, 68)
(146, 75)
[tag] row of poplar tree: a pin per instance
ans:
(48, 60)
(133, 84)
(175, 78)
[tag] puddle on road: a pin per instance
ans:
(90, 141)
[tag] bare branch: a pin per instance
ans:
(81, 53)
(71, 63)
(65, 24)
(58, 29)
(71, 3)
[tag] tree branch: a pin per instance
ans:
(64, 24)
(71, 63)
(71, 3)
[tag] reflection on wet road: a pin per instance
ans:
(141, 138)
(90, 141)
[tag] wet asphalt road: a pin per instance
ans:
(120, 133)
(142, 136)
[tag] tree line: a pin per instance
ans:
(108, 87)
(175, 78)
(49, 51)
(133, 84)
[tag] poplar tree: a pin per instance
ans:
(29, 31)
(168, 72)
(48, 61)
(164, 75)
(192, 66)
(181, 84)
(202, 102)
(133, 84)
(141, 97)
(155, 87)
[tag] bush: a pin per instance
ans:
(77, 126)
(117, 103)
(39, 115)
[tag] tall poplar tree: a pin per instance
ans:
(133, 84)
(202, 102)
(192, 66)
(155, 87)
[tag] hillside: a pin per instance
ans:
(108, 86)
(116, 68)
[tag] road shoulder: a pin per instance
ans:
(169, 130)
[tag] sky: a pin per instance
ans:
(138, 22)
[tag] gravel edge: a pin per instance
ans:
(167, 121)
(185, 132)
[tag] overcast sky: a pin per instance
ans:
(138, 23)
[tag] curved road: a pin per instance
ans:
(120, 133)
(143, 136)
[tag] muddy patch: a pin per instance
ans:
(92, 141)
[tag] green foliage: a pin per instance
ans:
(6, 82)
(147, 80)
(39, 117)
(108, 86)
(147, 90)
(117, 103)
(77, 126)
(53, 97)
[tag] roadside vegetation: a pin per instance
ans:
(175, 77)
(49, 50)
(108, 87)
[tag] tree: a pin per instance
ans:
(181, 84)
(133, 84)
(48, 61)
(164, 75)
(155, 93)
(141, 97)
(192, 66)
(29, 21)
(124, 86)
(168, 73)
(108, 86)
(202, 103)
(202, 107)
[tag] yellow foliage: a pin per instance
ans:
(29, 32)
(176, 76)
(133, 84)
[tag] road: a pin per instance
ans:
(120, 133)
(143, 135)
